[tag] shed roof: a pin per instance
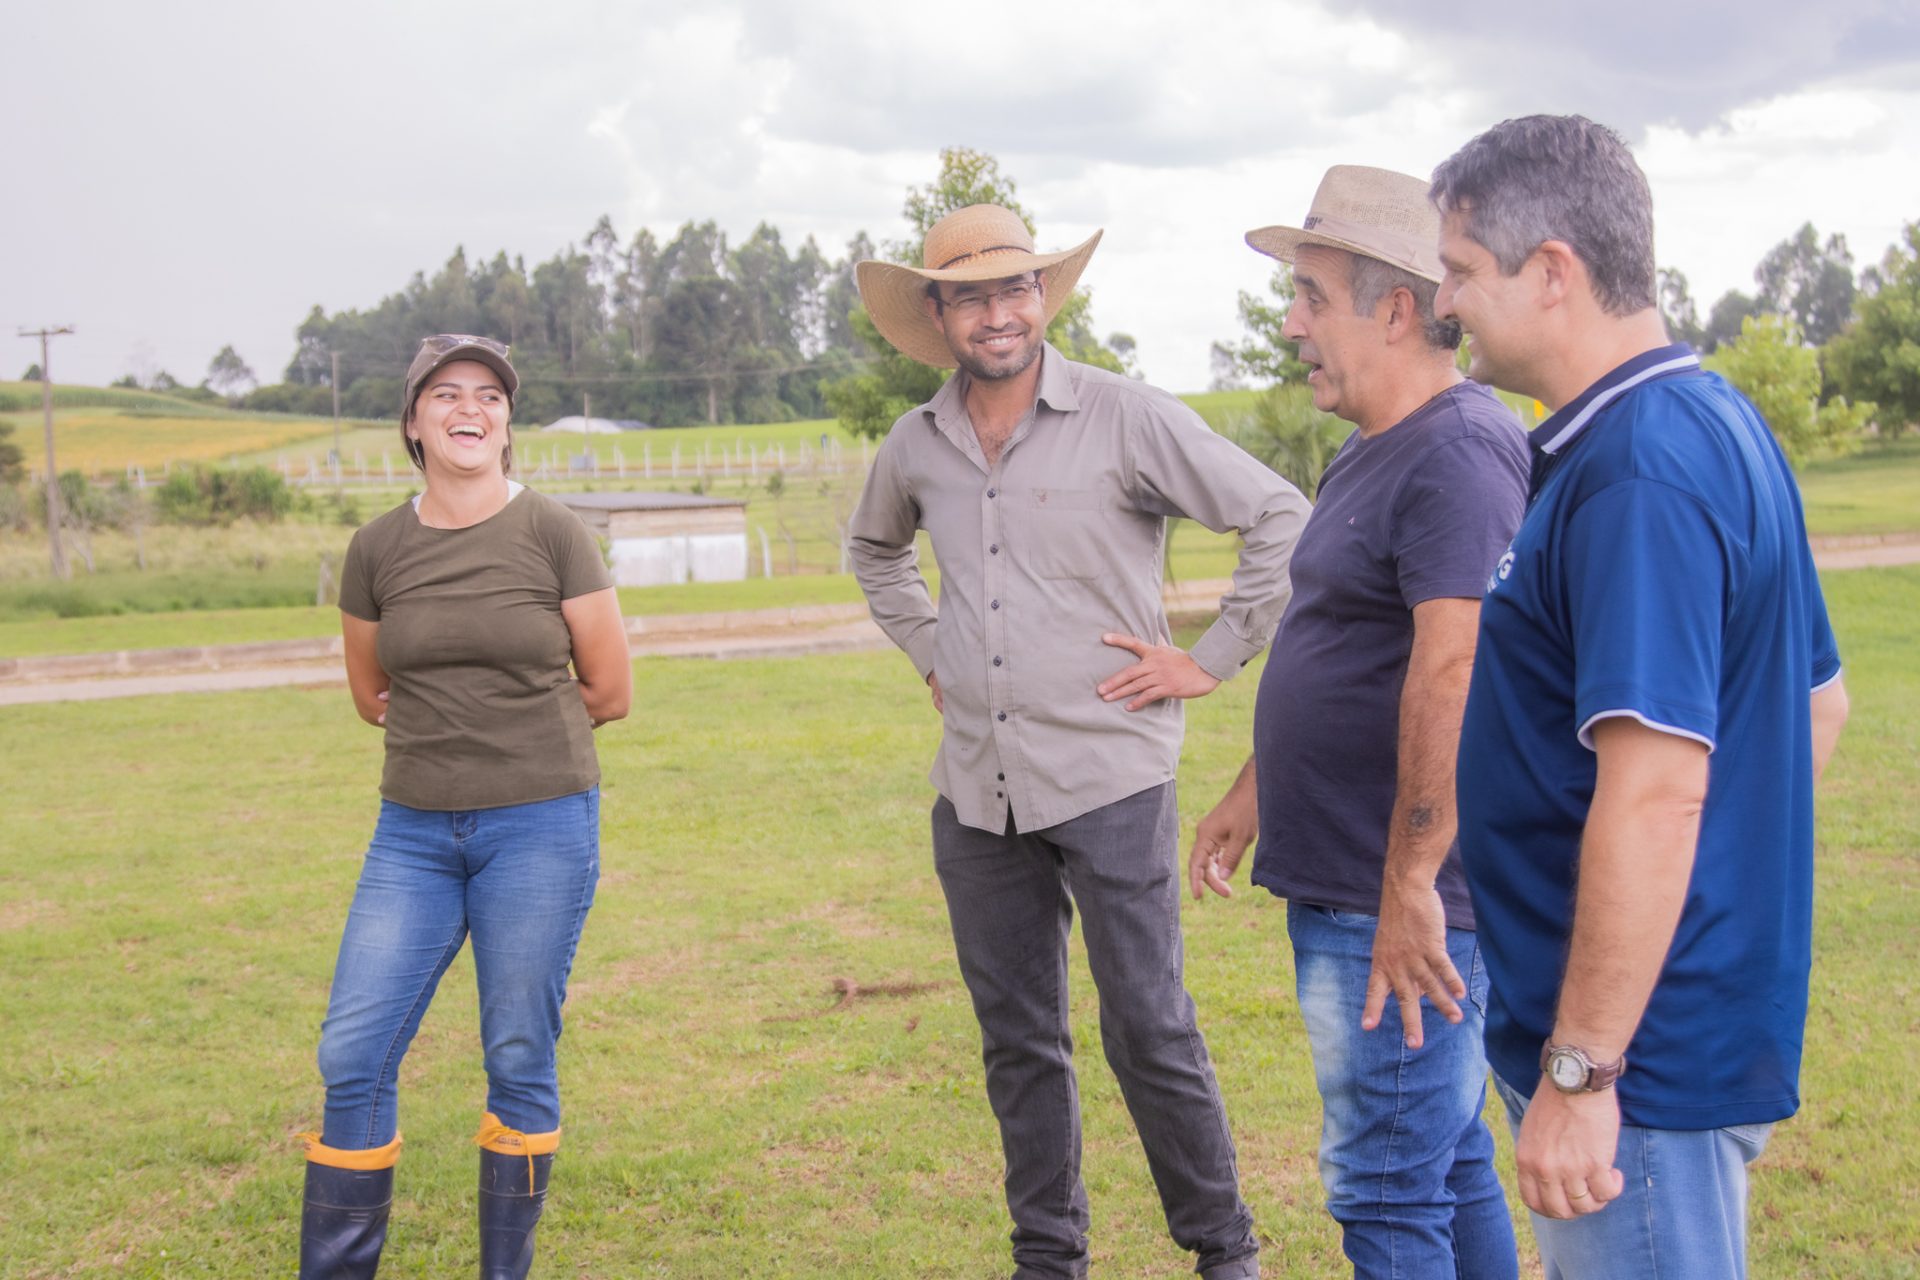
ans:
(641, 500)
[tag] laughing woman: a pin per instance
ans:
(462, 610)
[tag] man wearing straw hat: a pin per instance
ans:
(1045, 486)
(1351, 784)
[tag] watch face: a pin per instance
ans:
(1566, 1071)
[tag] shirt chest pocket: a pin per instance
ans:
(1063, 533)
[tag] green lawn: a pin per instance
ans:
(1875, 491)
(177, 870)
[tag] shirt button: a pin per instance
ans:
(996, 660)
(999, 795)
(990, 493)
(999, 777)
(994, 550)
(994, 604)
(1003, 715)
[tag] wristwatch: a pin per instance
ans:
(1570, 1070)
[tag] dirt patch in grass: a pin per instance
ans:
(847, 992)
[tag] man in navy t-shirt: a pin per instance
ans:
(1656, 690)
(1356, 729)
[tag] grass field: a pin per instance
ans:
(110, 442)
(105, 431)
(1875, 491)
(177, 870)
(25, 397)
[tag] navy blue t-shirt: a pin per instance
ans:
(1419, 512)
(1662, 572)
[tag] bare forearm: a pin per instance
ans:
(602, 660)
(1830, 708)
(1636, 859)
(1424, 821)
(366, 678)
(1433, 698)
(603, 703)
(1245, 790)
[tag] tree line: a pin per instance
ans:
(693, 330)
(696, 330)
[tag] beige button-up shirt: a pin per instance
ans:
(1058, 542)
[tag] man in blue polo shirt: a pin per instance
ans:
(1647, 935)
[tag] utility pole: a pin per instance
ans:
(586, 420)
(59, 552)
(336, 420)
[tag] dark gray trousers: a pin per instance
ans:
(1010, 898)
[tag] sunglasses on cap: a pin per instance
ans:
(441, 343)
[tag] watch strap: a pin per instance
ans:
(1599, 1075)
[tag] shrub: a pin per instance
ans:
(1287, 433)
(1782, 378)
(284, 397)
(207, 495)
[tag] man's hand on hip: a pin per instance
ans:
(1564, 1154)
(933, 683)
(1410, 960)
(1162, 672)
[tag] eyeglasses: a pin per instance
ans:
(1010, 296)
(441, 343)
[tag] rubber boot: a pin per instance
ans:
(514, 1168)
(343, 1222)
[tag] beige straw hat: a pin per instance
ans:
(979, 242)
(1376, 213)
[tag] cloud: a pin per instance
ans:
(1229, 79)
(271, 162)
(1639, 63)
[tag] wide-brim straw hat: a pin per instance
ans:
(979, 242)
(1376, 213)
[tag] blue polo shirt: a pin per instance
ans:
(1661, 572)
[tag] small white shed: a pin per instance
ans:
(660, 539)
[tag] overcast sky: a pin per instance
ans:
(185, 176)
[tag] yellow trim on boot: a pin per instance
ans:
(495, 1136)
(334, 1158)
(499, 1139)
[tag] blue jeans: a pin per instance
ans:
(519, 879)
(1010, 897)
(1683, 1211)
(1405, 1157)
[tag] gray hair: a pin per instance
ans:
(1370, 280)
(1539, 178)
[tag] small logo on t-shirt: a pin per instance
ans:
(1501, 570)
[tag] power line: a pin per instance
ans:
(54, 546)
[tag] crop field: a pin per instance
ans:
(770, 1068)
(109, 443)
(108, 431)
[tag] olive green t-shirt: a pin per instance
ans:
(482, 711)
